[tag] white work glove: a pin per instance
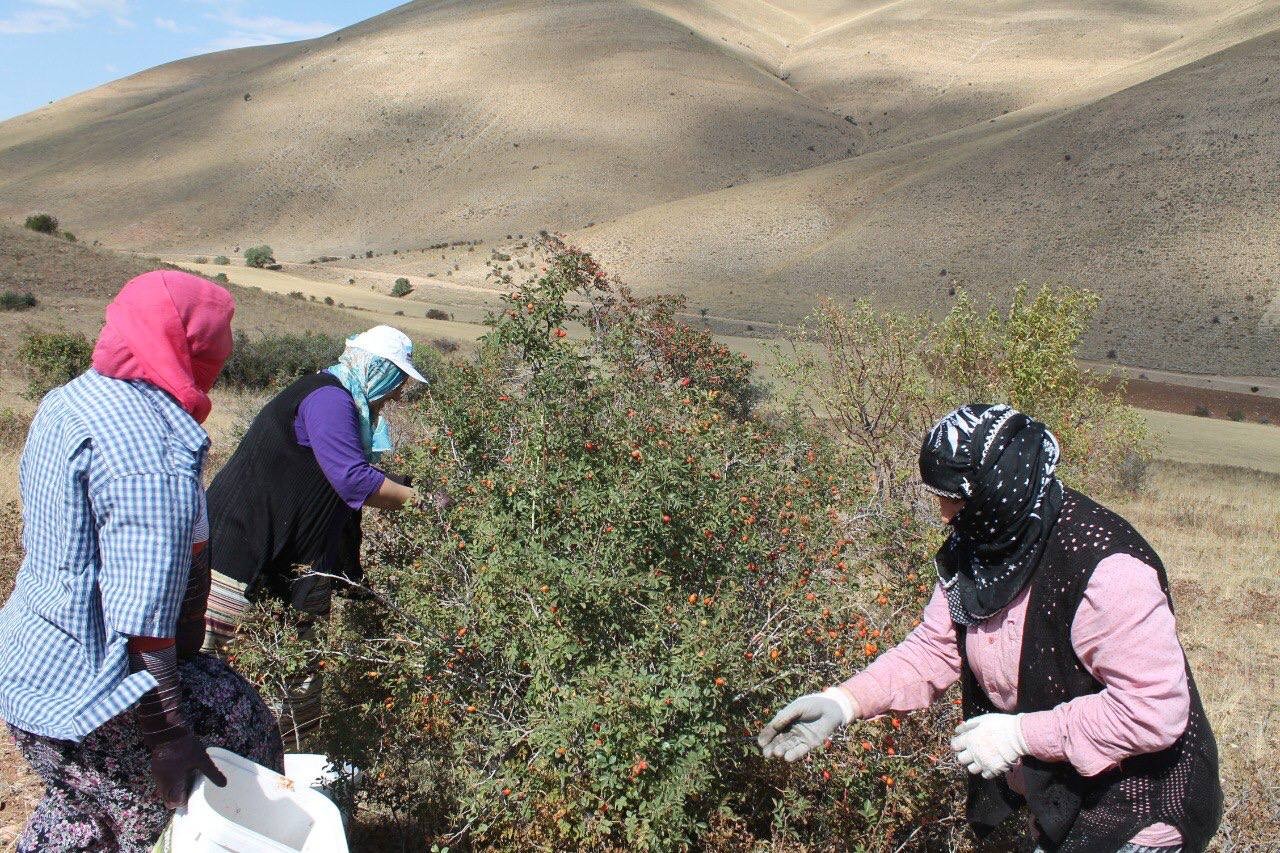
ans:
(806, 723)
(989, 745)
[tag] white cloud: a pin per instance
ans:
(254, 30)
(279, 28)
(171, 25)
(33, 21)
(231, 41)
(49, 16)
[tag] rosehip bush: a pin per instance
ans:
(636, 571)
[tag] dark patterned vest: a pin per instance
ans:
(271, 508)
(1098, 814)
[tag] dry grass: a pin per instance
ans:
(1209, 442)
(1216, 529)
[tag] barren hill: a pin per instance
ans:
(432, 121)
(74, 283)
(754, 155)
(1162, 197)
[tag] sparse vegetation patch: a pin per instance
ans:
(271, 360)
(11, 301)
(52, 359)
(43, 223)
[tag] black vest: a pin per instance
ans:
(271, 507)
(1098, 814)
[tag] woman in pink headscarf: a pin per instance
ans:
(100, 680)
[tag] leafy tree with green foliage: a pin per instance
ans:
(271, 361)
(401, 288)
(259, 256)
(52, 359)
(638, 567)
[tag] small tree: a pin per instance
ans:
(53, 359)
(401, 287)
(259, 256)
(222, 260)
(42, 222)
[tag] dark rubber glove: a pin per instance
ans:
(176, 755)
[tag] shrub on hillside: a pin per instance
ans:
(270, 361)
(438, 314)
(201, 259)
(637, 569)
(44, 223)
(401, 287)
(52, 359)
(13, 429)
(259, 256)
(221, 278)
(222, 260)
(12, 301)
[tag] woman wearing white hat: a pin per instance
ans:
(292, 493)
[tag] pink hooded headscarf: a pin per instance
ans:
(171, 329)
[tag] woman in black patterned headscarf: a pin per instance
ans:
(1054, 615)
(998, 467)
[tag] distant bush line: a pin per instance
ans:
(275, 360)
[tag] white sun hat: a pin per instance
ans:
(391, 344)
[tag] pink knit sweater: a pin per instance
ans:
(1123, 633)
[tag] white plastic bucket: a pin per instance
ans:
(259, 811)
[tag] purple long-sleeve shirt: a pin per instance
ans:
(327, 423)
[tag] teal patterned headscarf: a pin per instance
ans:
(368, 378)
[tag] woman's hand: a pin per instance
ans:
(806, 723)
(989, 745)
(391, 495)
(175, 765)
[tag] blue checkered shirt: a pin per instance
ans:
(111, 493)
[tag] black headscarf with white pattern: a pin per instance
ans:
(1002, 464)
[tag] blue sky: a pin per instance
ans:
(53, 48)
